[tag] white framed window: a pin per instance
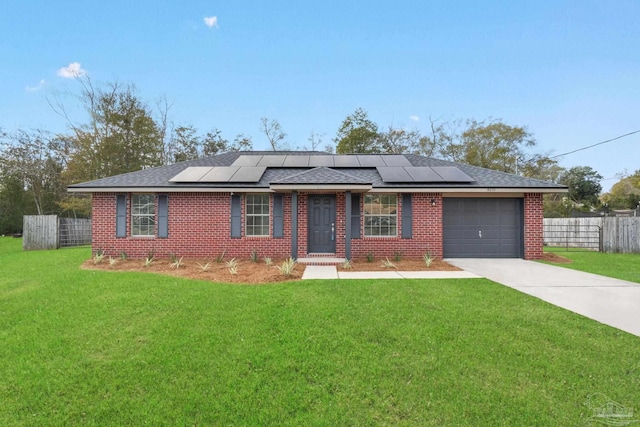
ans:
(256, 215)
(380, 215)
(143, 214)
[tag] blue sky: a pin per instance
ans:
(569, 71)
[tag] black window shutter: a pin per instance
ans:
(163, 216)
(121, 215)
(407, 210)
(355, 216)
(278, 216)
(236, 216)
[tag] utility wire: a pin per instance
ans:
(594, 145)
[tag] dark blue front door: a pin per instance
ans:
(322, 224)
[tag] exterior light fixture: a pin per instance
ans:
(433, 202)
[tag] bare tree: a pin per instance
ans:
(315, 141)
(273, 131)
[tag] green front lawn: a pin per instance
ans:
(102, 348)
(619, 266)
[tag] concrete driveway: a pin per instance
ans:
(610, 301)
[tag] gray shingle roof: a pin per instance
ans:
(321, 175)
(158, 178)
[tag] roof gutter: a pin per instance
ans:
(359, 188)
(486, 190)
(168, 190)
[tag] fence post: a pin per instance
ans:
(600, 239)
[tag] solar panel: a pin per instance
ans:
(191, 174)
(322, 160)
(394, 174)
(452, 174)
(423, 174)
(220, 174)
(396, 160)
(370, 160)
(275, 161)
(294, 161)
(346, 161)
(247, 160)
(248, 174)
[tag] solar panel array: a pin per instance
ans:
(220, 174)
(392, 168)
(328, 160)
(423, 174)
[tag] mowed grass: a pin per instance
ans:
(102, 348)
(619, 266)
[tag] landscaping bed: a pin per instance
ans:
(247, 271)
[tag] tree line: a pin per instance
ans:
(124, 134)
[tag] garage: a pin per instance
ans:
(483, 227)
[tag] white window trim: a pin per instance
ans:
(133, 215)
(365, 216)
(247, 215)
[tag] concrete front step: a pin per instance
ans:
(320, 261)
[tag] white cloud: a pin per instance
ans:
(36, 87)
(211, 21)
(72, 71)
(415, 118)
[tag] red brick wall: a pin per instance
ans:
(533, 226)
(427, 231)
(200, 226)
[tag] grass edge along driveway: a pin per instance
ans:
(618, 266)
(100, 348)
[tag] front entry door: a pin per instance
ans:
(322, 224)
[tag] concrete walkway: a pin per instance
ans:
(331, 272)
(610, 301)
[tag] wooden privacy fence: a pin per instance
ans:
(620, 234)
(52, 232)
(608, 234)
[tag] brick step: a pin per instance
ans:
(318, 260)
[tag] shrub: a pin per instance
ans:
(176, 262)
(268, 260)
(205, 267)
(99, 256)
(346, 264)
(369, 256)
(254, 256)
(386, 263)
(149, 258)
(428, 258)
(287, 267)
(220, 257)
(232, 266)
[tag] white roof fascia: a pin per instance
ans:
(490, 190)
(322, 187)
(167, 190)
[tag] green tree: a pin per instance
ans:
(584, 184)
(121, 136)
(184, 144)
(30, 158)
(14, 203)
(399, 141)
(625, 194)
(494, 145)
(357, 134)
